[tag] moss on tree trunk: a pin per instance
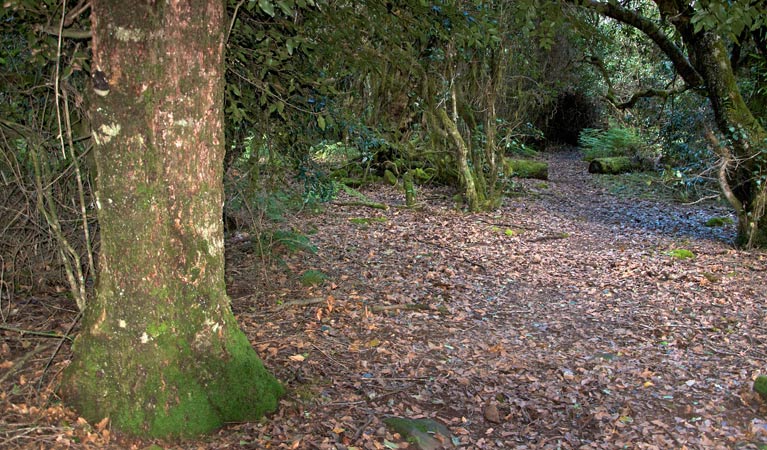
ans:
(160, 352)
(745, 140)
(474, 196)
(409, 186)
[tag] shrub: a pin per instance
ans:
(615, 141)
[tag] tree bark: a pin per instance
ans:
(160, 353)
(745, 142)
(462, 160)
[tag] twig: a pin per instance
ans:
(366, 204)
(394, 392)
(551, 237)
(49, 334)
(330, 358)
(410, 306)
(58, 347)
(66, 33)
(506, 225)
(436, 244)
(382, 379)
(302, 302)
(721, 352)
(20, 362)
(76, 11)
(360, 430)
(234, 19)
(702, 199)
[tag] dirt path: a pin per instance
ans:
(563, 311)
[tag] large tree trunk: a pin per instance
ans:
(160, 352)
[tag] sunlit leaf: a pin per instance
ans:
(266, 6)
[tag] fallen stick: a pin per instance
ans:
(302, 302)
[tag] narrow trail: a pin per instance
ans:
(563, 310)
(559, 321)
(578, 196)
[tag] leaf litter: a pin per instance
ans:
(576, 329)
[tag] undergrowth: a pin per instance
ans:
(615, 141)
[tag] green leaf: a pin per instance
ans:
(291, 45)
(321, 122)
(286, 7)
(266, 6)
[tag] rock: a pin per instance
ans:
(427, 434)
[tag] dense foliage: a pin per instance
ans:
(347, 90)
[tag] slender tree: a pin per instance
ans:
(160, 353)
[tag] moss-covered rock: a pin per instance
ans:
(390, 177)
(427, 434)
(760, 386)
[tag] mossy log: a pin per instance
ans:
(614, 165)
(527, 168)
(363, 200)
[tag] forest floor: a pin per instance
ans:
(562, 320)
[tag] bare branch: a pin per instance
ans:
(724, 152)
(651, 92)
(68, 33)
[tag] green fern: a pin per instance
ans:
(313, 278)
(615, 141)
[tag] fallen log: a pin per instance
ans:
(614, 165)
(527, 168)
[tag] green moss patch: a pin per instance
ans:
(170, 386)
(760, 386)
(680, 253)
(719, 221)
